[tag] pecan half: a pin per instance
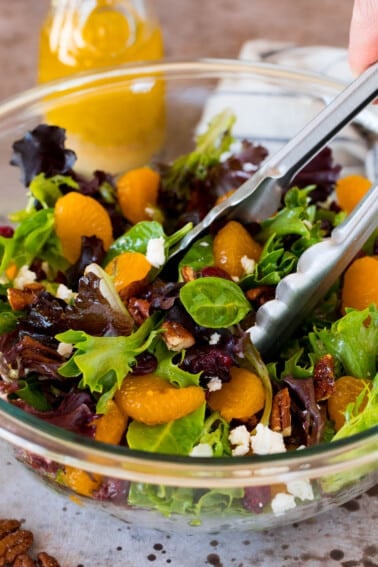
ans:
(14, 544)
(24, 560)
(280, 417)
(176, 337)
(188, 274)
(139, 309)
(20, 298)
(324, 378)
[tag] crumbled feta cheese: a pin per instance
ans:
(248, 264)
(247, 166)
(214, 339)
(240, 439)
(201, 450)
(235, 279)
(65, 293)
(24, 276)
(282, 502)
(214, 384)
(266, 441)
(302, 489)
(65, 349)
(155, 252)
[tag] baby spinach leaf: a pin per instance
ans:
(200, 255)
(173, 438)
(214, 302)
(137, 237)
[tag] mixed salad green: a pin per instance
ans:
(113, 348)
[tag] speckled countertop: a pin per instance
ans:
(77, 537)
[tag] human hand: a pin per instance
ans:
(363, 38)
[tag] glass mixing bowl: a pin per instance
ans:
(167, 103)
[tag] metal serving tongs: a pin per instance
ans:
(258, 197)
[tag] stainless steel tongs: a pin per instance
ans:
(258, 197)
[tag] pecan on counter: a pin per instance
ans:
(324, 378)
(280, 418)
(15, 544)
(24, 560)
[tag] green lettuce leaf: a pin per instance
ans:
(170, 370)
(33, 238)
(357, 420)
(137, 237)
(353, 341)
(215, 433)
(173, 438)
(199, 256)
(103, 362)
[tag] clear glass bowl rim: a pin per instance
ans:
(30, 433)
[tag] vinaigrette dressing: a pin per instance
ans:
(113, 128)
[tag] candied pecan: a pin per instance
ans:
(14, 544)
(188, 274)
(280, 418)
(260, 294)
(45, 560)
(324, 378)
(20, 298)
(139, 309)
(176, 337)
(24, 560)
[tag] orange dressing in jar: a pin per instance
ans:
(112, 127)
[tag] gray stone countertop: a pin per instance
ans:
(77, 537)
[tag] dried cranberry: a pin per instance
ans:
(6, 231)
(209, 360)
(214, 272)
(146, 363)
(256, 498)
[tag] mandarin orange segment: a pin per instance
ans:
(80, 481)
(111, 426)
(350, 190)
(231, 245)
(137, 192)
(240, 398)
(77, 215)
(127, 268)
(347, 390)
(152, 400)
(360, 283)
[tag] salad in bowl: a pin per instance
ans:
(100, 339)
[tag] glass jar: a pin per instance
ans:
(82, 35)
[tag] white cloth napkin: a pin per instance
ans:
(268, 122)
